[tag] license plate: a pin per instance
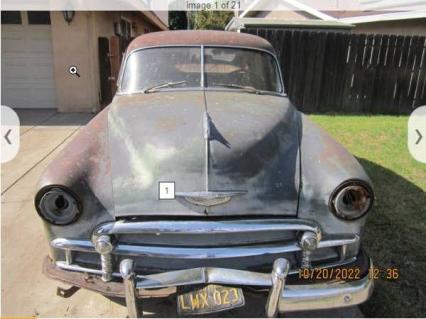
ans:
(211, 298)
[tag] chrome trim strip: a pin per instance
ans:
(202, 227)
(206, 133)
(209, 253)
(192, 252)
(202, 81)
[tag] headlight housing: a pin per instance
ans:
(58, 205)
(351, 200)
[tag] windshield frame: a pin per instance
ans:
(202, 86)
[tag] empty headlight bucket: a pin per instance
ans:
(58, 205)
(351, 200)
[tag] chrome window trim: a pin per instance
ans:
(202, 48)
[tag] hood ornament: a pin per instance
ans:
(211, 133)
(208, 198)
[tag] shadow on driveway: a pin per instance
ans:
(51, 117)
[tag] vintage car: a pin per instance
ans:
(202, 181)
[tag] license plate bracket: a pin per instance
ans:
(209, 299)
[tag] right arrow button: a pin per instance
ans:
(416, 132)
(420, 136)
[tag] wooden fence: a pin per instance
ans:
(350, 73)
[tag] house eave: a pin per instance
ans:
(394, 16)
(239, 23)
(155, 20)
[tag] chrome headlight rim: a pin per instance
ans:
(352, 183)
(69, 196)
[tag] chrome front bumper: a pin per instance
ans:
(282, 297)
(118, 277)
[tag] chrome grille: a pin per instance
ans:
(239, 244)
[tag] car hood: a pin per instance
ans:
(238, 144)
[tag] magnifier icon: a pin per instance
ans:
(73, 70)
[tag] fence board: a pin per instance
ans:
(377, 97)
(286, 57)
(349, 74)
(343, 42)
(316, 53)
(309, 77)
(420, 96)
(416, 78)
(358, 75)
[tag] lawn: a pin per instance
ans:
(395, 232)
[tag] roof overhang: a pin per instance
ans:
(240, 23)
(257, 5)
(155, 20)
(385, 17)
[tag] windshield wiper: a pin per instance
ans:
(163, 85)
(245, 88)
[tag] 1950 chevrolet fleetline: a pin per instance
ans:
(202, 180)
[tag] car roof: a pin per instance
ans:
(199, 37)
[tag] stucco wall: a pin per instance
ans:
(71, 46)
(403, 27)
(77, 44)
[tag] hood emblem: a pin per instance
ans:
(208, 198)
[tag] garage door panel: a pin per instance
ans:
(27, 85)
(27, 74)
(27, 46)
(35, 63)
(20, 97)
(40, 46)
(27, 67)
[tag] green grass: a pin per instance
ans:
(395, 232)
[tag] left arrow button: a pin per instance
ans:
(10, 134)
(7, 137)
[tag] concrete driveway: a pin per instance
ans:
(24, 289)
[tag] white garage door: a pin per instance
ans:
(26, 62)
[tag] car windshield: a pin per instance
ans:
(154, 69)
